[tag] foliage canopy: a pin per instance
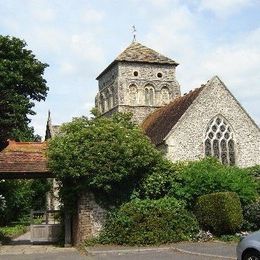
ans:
(108, 155)
(189, 180)
(21, 82)
(20, 196)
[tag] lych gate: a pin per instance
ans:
(45, 226)
(27, 160)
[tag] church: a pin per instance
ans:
(207, 121)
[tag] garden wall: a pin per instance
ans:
(88, 220)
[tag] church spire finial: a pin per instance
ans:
(134, 33)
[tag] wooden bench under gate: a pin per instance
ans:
(45, 226)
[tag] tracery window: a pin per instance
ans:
(219, 141)
(165, 96)
(133, 92)
(149, 95)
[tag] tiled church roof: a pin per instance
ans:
(137, 52)
(24, 157)
(158, 124)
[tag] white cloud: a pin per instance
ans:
(92, 15)
(160, 3)
(85, 46)
(173, 31)
(238, 62)
(43, 14)
(67, 68)
(223, 8)
(76, 39)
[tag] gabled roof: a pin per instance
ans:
(24, 158)
(158, 124)
(137, 52)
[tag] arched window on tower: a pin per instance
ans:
(102, 103)
(165, 95)
(149, 95)
(109, 95)
(133, 92)
(219, 141)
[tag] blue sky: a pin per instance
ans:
(79, 38)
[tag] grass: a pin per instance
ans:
(9, 232)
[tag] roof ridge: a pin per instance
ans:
(159, 123)
(18, 143)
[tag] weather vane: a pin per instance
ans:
(134, 33)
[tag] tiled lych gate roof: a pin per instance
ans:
(137, 52)
(158, 124)
(24, 160)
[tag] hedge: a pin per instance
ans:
(251, 214)
(141, 222)
(219, 212)
(189, 180)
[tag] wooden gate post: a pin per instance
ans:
(67, 230)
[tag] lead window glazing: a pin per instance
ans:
(219, 141)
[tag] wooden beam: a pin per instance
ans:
(26, 175)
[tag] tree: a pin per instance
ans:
(106, 155)
(18, 197)
(21, 83)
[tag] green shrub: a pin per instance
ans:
(208, 176)
(189, 180)
(141, 222)
(220, 212)
(251, 214)
(254, 171)
(9, 232)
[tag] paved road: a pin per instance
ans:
(43, 252)
(21, 249)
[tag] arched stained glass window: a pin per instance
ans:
(219, 141)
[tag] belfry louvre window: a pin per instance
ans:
(219, 141)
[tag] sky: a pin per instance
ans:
(80, 38)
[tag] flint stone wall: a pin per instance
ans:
(88, 220)
(186, 139)
(120, 76)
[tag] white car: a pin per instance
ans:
(249, 247)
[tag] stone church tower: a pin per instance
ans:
(139, 81)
